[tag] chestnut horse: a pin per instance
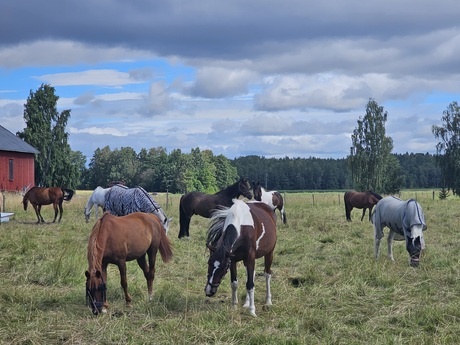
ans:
(243, 232)
(205, 204)
(274, 199)
(39, 196)
(364, 200)
(116, 240)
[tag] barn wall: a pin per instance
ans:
(23, 171)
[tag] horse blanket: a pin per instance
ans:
(398, 215)
(121, 201)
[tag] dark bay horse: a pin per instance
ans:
(116, 240)
(39, 196)
(243, 232)
(204, 204)
(364, 200)
(274, 199)
(406, 221)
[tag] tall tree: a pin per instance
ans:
(370, 153)
(45, 130)
(449, 135)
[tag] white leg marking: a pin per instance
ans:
(268, 294)
(234, 286)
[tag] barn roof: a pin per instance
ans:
(10, 142)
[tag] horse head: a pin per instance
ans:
(95, 292)
(87, 214)
(257, 191)
(25, 202)
(218, 265)
(414, 244)
(243, 188)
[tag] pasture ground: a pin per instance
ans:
(326, 286)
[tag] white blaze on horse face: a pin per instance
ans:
(417, 231)
(216, 267)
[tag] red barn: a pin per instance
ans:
(17, 160)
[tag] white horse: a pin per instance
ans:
(96, 199)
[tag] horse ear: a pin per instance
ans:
(87, 274)
(98, 274)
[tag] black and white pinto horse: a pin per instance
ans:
(121, 201)
(273, 198)
(243, 232)
(406, 221)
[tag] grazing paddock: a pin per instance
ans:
(326, 286)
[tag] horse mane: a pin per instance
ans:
(216, 226)
(378, 196)
(96, 249)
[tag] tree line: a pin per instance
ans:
(370, 164)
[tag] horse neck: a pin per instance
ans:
(232, 191)
(96, 246)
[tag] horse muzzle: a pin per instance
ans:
(414, 261)
(210, 289)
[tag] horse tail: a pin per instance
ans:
(68, 194)
(165, 247)
(283, 214)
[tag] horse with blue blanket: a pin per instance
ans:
(121, 201)
(406, 221)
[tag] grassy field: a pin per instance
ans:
(326, 286)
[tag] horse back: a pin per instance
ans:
(129, 236)
(201, 203)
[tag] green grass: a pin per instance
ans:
(326, 286)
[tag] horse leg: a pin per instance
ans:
(184, 221)
(61, 211)
(364, 212)
(370, 213)
(250, 265)
(376, 241)
(234, 283)
(348, 212)
(149, 270)
(390, 239)
(123, 281)
(283, 214)
(268, 274)
(38, 209)
(55, 206)
(104, 279)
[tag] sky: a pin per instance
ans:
(268, 78)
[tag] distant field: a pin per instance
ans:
(326, 286)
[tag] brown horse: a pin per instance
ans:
(243, 232)
(364, 200)
(39, 196)
(116, 240)
(274, 199)
(205, 204)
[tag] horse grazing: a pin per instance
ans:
(39, 196)
(406, 221)
(243, 232)
(273, 199)
(205, 204)
(121, 201)
(364, 200)
(96, 199)
(116, 240)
